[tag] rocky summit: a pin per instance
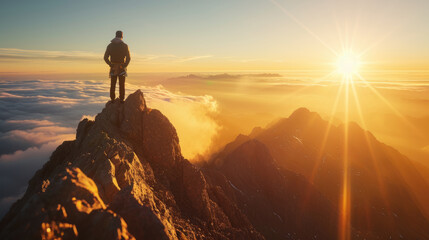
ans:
(124, 177)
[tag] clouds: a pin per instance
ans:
(186, 59)
(40, 135)
(35, 117)
(7, 54)
(192, 116)
(14, 140)
(16, 170)
(16, 54)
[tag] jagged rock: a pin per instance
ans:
(159, 140)
(66, 206)
(123, 177)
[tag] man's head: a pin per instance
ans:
(119, 34)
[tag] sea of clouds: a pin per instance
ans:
(38, 115)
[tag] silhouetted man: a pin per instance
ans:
(119, 60)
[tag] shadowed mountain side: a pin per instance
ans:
(123, 177)
(279, 203)
(388, 195)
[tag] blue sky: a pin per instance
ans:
(227, 32)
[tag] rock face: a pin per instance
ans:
(122, 178)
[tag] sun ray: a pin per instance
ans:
(321, 150)
(340, 36)
(291, 16)
(383, 99)
(348, 64)
(355, 30)
(326, 134)
(376, 43)
(295, 92)
(395, 111)
(375, 164)
(344, 208)
(370, 147)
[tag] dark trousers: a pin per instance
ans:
(121, 87)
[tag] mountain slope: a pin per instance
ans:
(388, 195)
(279, 203)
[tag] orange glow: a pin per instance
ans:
(344, 222)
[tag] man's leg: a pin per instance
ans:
(122, 87)
(112, 87)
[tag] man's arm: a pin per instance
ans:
(106, 56)
(128, 58)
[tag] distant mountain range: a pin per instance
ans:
(388, 195)
(124, 177)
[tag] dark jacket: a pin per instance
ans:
(118, 52)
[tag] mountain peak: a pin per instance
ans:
(302, 113)
(123, 176)
(137, 100)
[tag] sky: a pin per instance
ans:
(252, 35)
(215, 67)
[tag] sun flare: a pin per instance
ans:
(348, 64)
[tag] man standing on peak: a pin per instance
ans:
(119, 60)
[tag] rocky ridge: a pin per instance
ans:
(388, 196)
(122, 178)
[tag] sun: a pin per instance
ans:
(348, 64)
